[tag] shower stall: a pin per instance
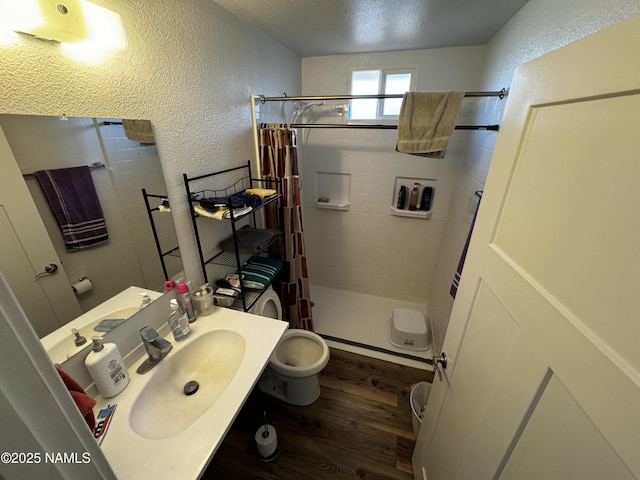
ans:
(365, 257)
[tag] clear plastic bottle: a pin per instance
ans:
(178, 321)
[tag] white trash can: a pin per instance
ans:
(418, 399)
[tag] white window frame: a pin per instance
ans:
(384, 73)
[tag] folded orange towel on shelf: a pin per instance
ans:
(84, 402)
(261, 192)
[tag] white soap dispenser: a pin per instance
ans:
(106, 367)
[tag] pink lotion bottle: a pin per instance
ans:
(413, 198)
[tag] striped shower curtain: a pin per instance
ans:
(279, 160)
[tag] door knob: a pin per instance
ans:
(49, 269)
(441, 359)
(440, 363)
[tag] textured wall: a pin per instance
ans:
(190, 67)
(540, 27)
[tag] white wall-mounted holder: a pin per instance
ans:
(333, 190)
(332, 205)
(408, 184)
(426, 215)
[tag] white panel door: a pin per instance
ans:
(543, 340)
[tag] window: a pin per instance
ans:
(375, 82)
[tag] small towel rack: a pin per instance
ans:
(92, 166)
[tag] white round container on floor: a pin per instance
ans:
(418, 399)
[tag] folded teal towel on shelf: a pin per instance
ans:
(259, 272)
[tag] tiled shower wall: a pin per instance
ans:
(474, 167)
(367, 249)
(134, 166)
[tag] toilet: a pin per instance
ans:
(292, 372)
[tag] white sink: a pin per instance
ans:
(159, 432)
(59, 344)
(163, 409)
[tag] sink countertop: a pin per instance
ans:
(186, 454)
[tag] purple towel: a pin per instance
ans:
(74, 202)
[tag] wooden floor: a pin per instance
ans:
(360, 427)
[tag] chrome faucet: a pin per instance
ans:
(157, 348)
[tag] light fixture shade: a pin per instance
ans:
(79, 25)
(105, 30)
(62, 21)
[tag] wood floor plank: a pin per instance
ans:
(335, 423)
(370, 376)
(404, 453)
(359, 387)
(360, 427)
(369, 412)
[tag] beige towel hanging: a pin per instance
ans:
(139, 131)
(426, 122)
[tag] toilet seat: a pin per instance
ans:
(268, 305)
(278, 360)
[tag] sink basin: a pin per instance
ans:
(163, 409)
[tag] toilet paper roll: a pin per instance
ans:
(82, 286)
(266, 441)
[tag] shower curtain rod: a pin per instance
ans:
(284, 98)
(262, 99)
(493, 128)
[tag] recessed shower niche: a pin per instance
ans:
(424, 202)
(333, 190)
